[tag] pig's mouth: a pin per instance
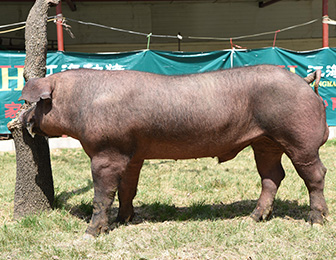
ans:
(26, 117)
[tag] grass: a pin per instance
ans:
(193, 209)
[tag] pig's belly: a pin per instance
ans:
(175, 150)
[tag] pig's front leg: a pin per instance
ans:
(107, 169)
(127, 190)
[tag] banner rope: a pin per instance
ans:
(13, 30)
(12, 24)
(121, 30)
(327, 20)
(21, 27)
(179, 36)
(253, 35)
(275, 35)
(148, 41)
(194, 37)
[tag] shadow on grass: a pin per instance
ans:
(159, 212)
(83, 210)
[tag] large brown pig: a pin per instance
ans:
(122, 118)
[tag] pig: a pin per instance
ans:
(122, 118)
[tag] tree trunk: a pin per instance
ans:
(34, 188)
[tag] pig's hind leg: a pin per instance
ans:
(268, 160)
(302, 144)
(312, 171)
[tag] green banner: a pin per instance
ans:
(169, 63)
(302, 63)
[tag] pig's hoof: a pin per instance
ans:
(125, 219)
(259, 214)
(88, 237)
(96, 231)
(317, 217)
(256, 216)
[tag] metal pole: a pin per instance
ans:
(59, 27)
(325, 26)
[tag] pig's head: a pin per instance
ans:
(37, 94)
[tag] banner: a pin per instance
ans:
(169, 63)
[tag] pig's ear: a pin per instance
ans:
(36, 89)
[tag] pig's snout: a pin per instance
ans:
(29, 127)
(26, 117)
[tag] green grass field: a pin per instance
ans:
(192, 209)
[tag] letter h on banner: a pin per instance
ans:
(6, 78)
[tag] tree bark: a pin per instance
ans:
(34, 188)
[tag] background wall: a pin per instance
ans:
(219, 18)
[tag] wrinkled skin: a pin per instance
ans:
(122, 118)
